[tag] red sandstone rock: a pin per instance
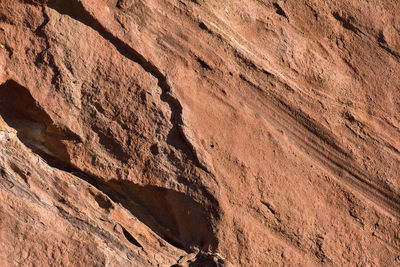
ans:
(199, 133)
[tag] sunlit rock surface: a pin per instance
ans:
(199, 133)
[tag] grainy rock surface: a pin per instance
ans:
(199, 133)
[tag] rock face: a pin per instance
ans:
(199, 133)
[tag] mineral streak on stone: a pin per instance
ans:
(199, 133)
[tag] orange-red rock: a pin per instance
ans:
(199, 133)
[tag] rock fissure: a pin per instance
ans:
(45, 57)
(76, 10)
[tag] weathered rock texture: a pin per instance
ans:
(199, 133)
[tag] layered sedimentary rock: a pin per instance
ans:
(199, 133)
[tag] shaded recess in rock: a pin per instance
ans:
(172, 215)
(179, 219)
(129, 237)
(346, 22)
(103, 201)
(34, 126)
(280, 11)
(384, 45)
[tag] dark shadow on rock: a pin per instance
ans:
(174, 216)
(33, 125)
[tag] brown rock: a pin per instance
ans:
(199, 133)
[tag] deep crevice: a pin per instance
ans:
(390, 51)
(346, 22)
(130, 238)
(203, 64)
(204, 27)
(280, 11)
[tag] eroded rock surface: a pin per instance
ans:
(199, 133)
